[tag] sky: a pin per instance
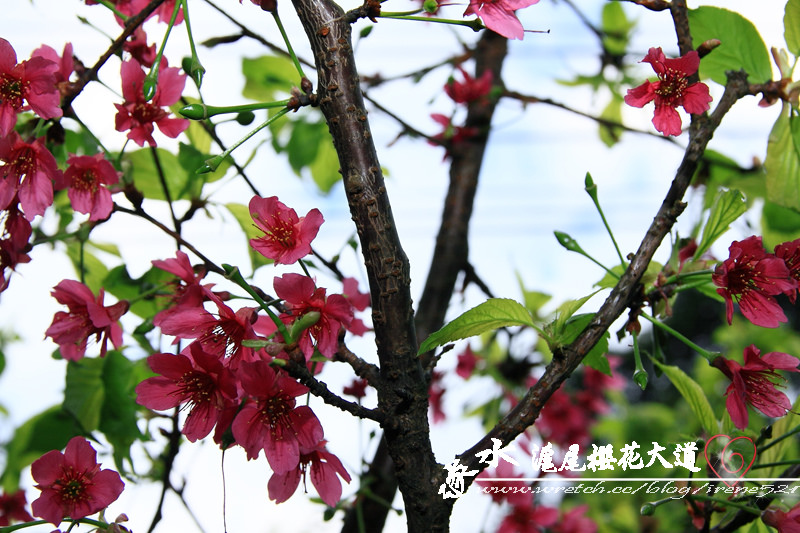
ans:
(532, 185)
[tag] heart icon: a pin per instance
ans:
(732, 462)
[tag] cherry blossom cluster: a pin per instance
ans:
(752, 277)
(34, 89)
(462, 92)
(242, 392)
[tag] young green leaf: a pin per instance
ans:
(694, 396)
(727, 207)
(492, 314)
(84, 392)
(741, 48)
(783, 161)
(791, 26)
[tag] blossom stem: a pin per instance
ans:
(393, 14)
(591, 188)
(288, 44)
(202, 111)
(233, 274)
(212, 164)
(677, 278)
(305, 269)
(151, 80)
(90, 521)
(475, 24)
(725, 503)
(710, 356)
(196, 69)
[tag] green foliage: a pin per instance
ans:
(779, 224)
(616, 28)
(140, 291)
(596, 358)
(727, 207)
(694, 396)
(146, 167)
(783, 161)
(91, 270)
(610, 135)
(741, 48)
(490, 315)
(310, 146)
(84, 393)
(791, 25)
(267, 77)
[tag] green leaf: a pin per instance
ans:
(94, 271)
(192, 159)
(142, 169)
(783, 161)
(596, 358)
(268, 76)
(196, 133)
(303, 145)
(118, 414)
(84, 393)
(779, 224)
(741, 48)
(49, 430)
(791, 26)
(242, 215)
(727, 207)
(490, 315)
(616, 28)
(610, 135)
(325, 168)
(119, 283)
(694, 396)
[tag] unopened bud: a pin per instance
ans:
(194, 111)
(706, 46)
(306, 86)
(269, 5)
(149, 87)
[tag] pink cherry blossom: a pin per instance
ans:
(301, 296)
(271, 420)
(783, 521)
(528, 519)
(30, 84)
(499, 15)
(186, 290)
(87, 178)
(137, 47)
(755, 382)
(325, 468)
(671, 90)
(752, 277)
(28, 172)
(86, 316)
(789, 253)
(287, 238)
(72, 483)
(195, 379)
(139, 117)
(14, 245)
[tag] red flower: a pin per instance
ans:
(27, 85)
(72, 483)
(357, 388)
(499, 16)
(359, 301)
(301, 296)
(86, 176)
(189, 293)
(783, 521)
(467, 360)
(14, 245)
(324, 470)
(28, 172)
(287, 238)
(789, 252)
(136, 46)
(754, 383)
(139, 116)
(220, 335)
(451, 135)
(752, 277)
(86, 316)
(574, 521)
(195, 379)
(12, 507)
(436, 392)
(469, 90)
(271, 421)
(528, 519)
(65, 62)
(565, 422)
(671, 90)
